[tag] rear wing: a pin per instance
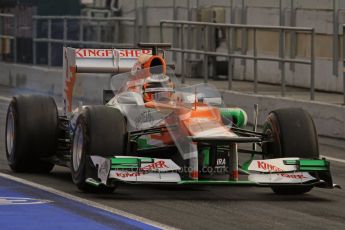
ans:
(110, 61)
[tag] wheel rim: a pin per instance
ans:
(77, 151)
(10, 135)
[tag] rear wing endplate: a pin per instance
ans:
(110, 61)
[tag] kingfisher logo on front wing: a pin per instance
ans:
(267, 166)
(143, 170)
(292, 176)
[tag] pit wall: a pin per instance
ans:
(329, 119)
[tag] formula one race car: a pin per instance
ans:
(151, 129)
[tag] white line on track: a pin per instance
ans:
(87, 202)
(334, 159)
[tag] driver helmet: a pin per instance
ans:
(158, 87)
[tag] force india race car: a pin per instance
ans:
(151, 129)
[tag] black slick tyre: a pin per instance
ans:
(101, 131)
(294, 135)
(31, 133)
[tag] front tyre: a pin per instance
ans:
(294, 135)
(100, 130)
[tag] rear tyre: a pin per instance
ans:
(31, 133)
(101, 131)
(294, 135)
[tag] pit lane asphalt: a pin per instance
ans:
(211, 207)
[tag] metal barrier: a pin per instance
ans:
(84, 22)
(230, 55)
(8, 36)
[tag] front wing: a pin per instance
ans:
(268, 172)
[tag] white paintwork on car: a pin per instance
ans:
(272, 165)
(281, 178)
(103, 165)
(131, 176)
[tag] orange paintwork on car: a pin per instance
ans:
(202, 118)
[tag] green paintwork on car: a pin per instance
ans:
(129, 163)
(142, 144)
(315, 163)
(309, 164)
(306, 162)
(92, 182)
(125, 166)
(309, 169)
(236, 115)
(246, 164)
(120, 161)
(206, 154)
